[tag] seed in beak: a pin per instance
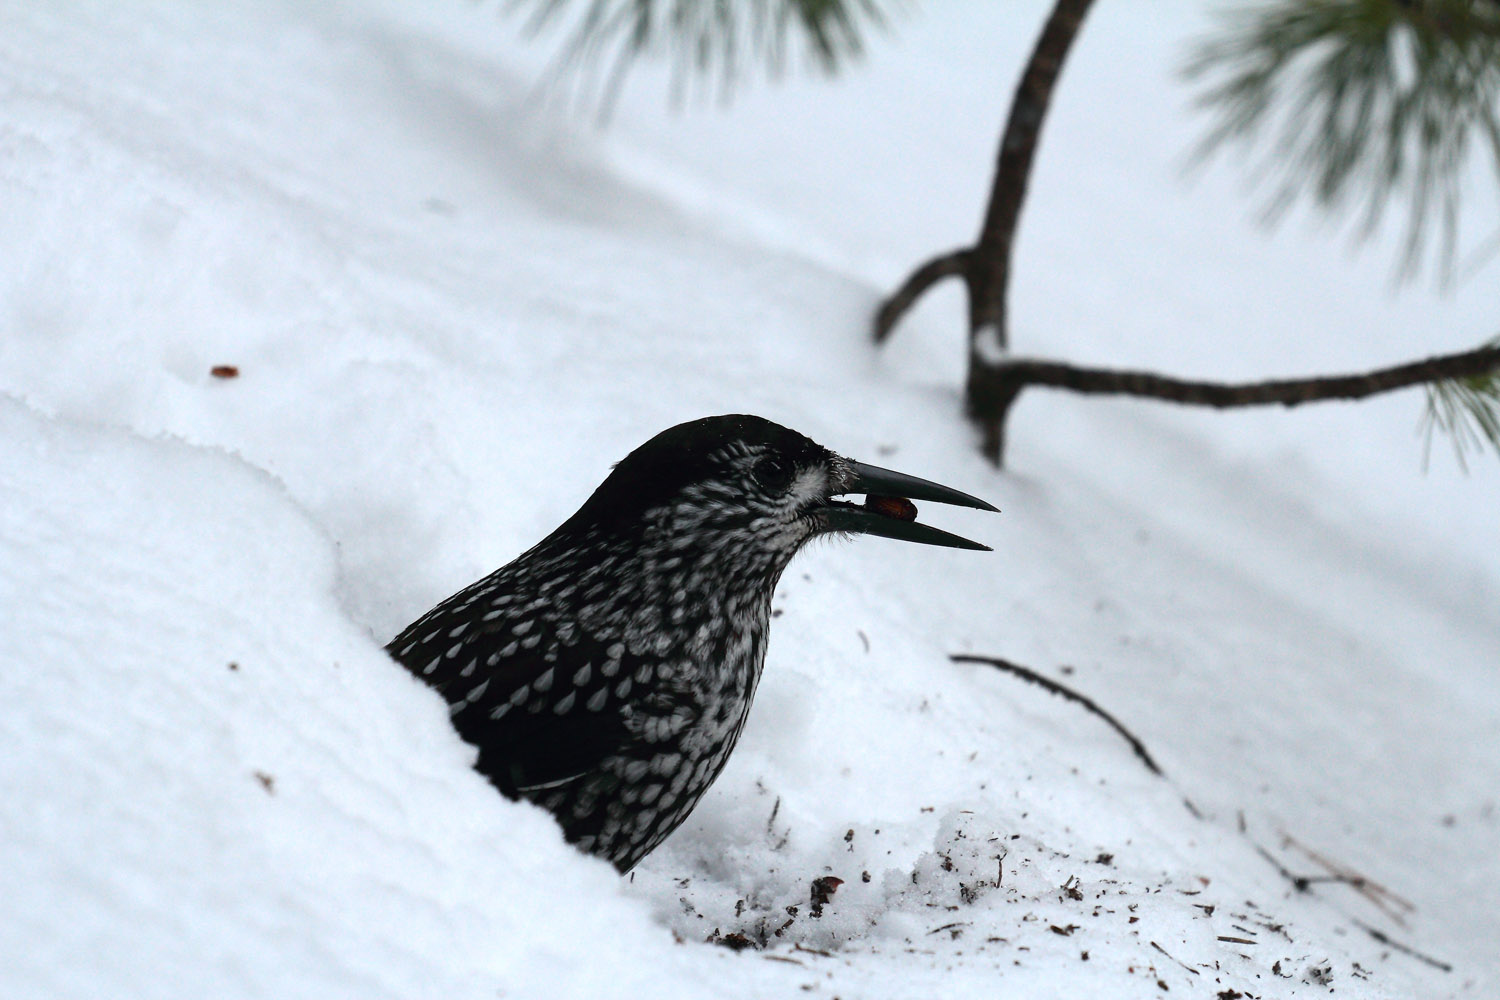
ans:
(900, 508)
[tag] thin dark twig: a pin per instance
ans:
(994, 386)
(948, 265)
(1175, 959)
(1304, 883)
(1382, 898)
(1018, 147)
(1379, 896)
(1390, 942)
(1286, 392)
(1299, 882)
(1047, 684)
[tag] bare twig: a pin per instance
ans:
(948, 265)
(1389, 942)
(1175, 959)
(1018, 146)
(1285, 392)
(986, 265)
(1047, 684)
(1379, 896)
(996, 384)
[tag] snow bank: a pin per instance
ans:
(222, 786)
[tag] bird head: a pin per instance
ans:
(740, 482)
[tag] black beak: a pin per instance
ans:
(889, 512)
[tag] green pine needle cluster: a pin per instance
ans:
(713, 40)
(1367, 102)
(1467, 410)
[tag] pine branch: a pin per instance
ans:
(1469, 380)
(948, 265)
(1285, 392)
(1018, 145)
(985, 266)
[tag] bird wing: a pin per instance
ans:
(541, 713)
(551, 738)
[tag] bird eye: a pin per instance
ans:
(773, 473)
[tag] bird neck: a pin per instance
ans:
(704, 607)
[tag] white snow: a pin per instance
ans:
(453, 304)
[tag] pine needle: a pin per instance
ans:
(1467, 411)
(703, 40)
(1359, 104)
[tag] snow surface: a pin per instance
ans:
(452, 304)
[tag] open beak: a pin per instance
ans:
(889, 512)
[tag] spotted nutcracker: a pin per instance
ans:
(606, 673)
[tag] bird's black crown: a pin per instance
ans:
(755, 456)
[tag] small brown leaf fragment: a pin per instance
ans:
(267, 781)
(900, 508)
(233, 665)
(823, 888)
(735, 942)
(224, 371)
(1064, 931)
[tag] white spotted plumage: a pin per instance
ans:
(621, 654)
